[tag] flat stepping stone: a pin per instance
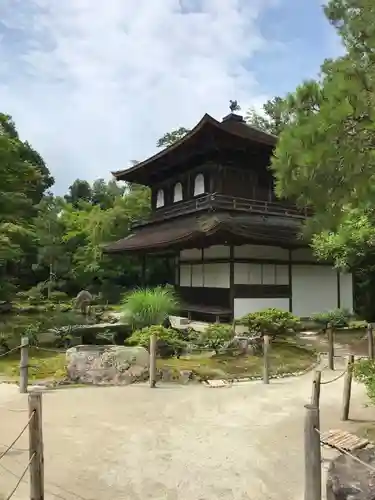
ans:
(215, 384)
(343, 439)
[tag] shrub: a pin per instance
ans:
(57, 297)
(32, 332)
(274, 322)
(149, 306)
(64, 335)
(168, 341)
(4, 343)
(216, 336)
(337, 317)
(364, 371)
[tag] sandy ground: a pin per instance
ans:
(185, 443)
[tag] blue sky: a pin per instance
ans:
(92, 84)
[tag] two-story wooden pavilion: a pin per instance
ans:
(236, 249)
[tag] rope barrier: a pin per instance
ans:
(21, 477)
(9, 471)
(15, 449)
(345, 452)
(50, 483)
(335, 378)
(17, 438)
(59, 351)
(10, 350)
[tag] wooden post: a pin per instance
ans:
(313, 470)
(370, 340)
(266, 368)
(315, 396)
(347, 389)
(152, 360)
(24, 365)
(331, 352)
(36, 447)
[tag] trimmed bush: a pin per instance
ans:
(216, 336)
(364, 371)
(274, 322)
(339, 318)
(168, 341)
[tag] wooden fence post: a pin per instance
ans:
(331, 353)
(347, 389)
(370, 340)
(313, 470)
(152, 360)
(266, 368)
(315, 396)
(36, 447)
(24, 365)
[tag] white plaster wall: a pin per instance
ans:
(246, 306)
(261, 274)
(197, 275)
(346, 291)
(216, 252)
(247, 274)
(261, 252)
(191, 254)
(282, 275)
(208, 275)
(314, 289)
(185, 275)
(216, 275)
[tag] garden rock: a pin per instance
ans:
(107, 364)
(185, 376)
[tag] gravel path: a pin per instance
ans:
(174, 443)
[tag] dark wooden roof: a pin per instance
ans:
(232, 124)
(201, 230)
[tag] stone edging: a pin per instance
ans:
(281, 375)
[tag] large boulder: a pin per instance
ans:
(107, 364)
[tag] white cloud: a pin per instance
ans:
(94, 84)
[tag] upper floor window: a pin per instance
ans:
(160, 198)
(199, 185)
(177, 195)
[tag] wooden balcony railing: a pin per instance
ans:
(217, 201)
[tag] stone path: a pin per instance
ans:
(174, 442)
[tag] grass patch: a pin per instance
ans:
(42, 365)
(285, 357)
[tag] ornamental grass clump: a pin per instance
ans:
(149, 306)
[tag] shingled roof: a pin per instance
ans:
(174, 233)
(231, 124)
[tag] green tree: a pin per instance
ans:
(20, 179)
(105, 193)
(325, 156)
(79, 191)
(171, 137)
(275, 117)
(52, 254)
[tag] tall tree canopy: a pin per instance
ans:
(171, 137)
(23, 179)
(275, 117)
(325, 154)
